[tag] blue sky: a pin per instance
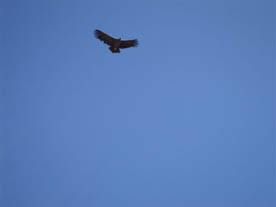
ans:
(185, 119)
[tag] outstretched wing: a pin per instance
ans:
(103, 37)
(128, 43)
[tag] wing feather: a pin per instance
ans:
(129, 43)
(104, 37)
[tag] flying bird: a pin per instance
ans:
(115, 44)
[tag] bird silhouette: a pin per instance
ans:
(115, 44)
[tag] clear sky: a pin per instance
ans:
(184, 120)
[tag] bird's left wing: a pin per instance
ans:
(103, 37)
(128, 43)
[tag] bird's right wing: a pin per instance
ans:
(129, 43)
(104, 37)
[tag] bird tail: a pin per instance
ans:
(113, 50)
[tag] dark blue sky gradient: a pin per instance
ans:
(185, 119)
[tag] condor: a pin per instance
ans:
(115, 44)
